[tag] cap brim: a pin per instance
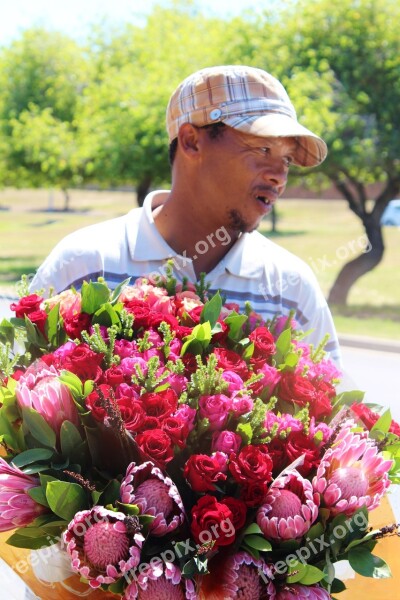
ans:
(311, 150)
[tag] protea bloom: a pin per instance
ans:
(40, 388)
(290, 508)
(238, 577)
(103, 545)
(155, 494)
(352, 473)
(302, 592)
(160, 581)
(17, 508)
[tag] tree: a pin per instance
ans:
(344, 56)
(42, 75)
(121, 116)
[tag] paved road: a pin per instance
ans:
(376, 373)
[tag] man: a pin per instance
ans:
(233, 135)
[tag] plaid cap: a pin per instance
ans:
(245, 98)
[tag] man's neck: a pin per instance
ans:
(189, 233)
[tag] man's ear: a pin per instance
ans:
(188, 139)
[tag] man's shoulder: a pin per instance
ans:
(266, 251)
(109, 227)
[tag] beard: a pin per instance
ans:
(238, 223)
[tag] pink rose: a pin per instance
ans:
(226, 441)
(215, 408)
(241, 405)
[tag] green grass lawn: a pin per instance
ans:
(324, 233)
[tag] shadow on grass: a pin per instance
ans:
(277, 234)
(391, 312)
(62, 211)
(12, 273)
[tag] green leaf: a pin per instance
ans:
(248, 352)
(120, 287)
(283, 346)
(34, 336)
(20, 541)
(383, 423)
(52, 325)
(129, 509)
(106, 315)
(312, 575)
(111, 492)
(70, 439)
(258, 542)
(7, 332)
(38, 427)
(65, 499)
(30, 456)
(245, 431)
(37, 494)
(94, 294)
(235, 323)
(348, 398)
(252, 528)
(367, 564)
(298, 570)
(212, 310)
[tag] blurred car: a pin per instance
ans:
(391, 214)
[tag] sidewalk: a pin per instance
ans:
(369, 343)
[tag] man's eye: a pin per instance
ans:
(265, 150)
(288, 160)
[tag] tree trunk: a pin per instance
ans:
(365, 262)
(66, 200)
(142, 189)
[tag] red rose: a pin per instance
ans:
(299, 444)
(157, 445)
(156, 318)
(202, 472)
(228, 360)
(94, 401)
(295, 388)
(75, 324)
(264, 342)
(277, 451)
(195, 314)
(221, 336)
(84, 363)
(368, 417)
(182, 331)
(253, 463)
(177, 429)
(254, 492)
(141, 312)
(149, 423)
(160, 404)
(26, 305)
(238, 509)
(321, 406)
(212, 520)
(190, 362)
(39, 318)
(132, 413)
(115, 376)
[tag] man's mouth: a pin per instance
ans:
(264, 200)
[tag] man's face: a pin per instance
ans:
(243, 177)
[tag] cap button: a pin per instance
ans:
(215, 114)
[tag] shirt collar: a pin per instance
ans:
(243, 259)
(145, 241)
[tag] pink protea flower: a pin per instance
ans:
(40, 388)
(290, 508)
(302, 592)
(103, 545)
(155, 494)
(352, 473)
(17, 508)
(160, 581)
(238, 577)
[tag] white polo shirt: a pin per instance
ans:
(255, 269)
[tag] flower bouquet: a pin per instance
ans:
(159, 444)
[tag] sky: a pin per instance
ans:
(74, 17)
